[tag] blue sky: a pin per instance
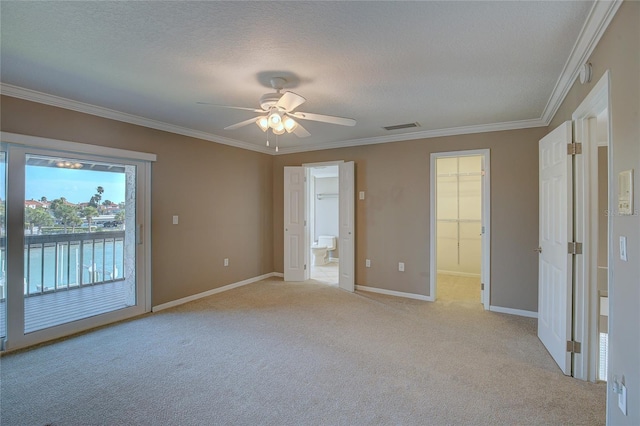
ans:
(77, 186)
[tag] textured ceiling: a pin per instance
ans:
(444, 65)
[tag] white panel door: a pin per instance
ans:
(295, 268)
(556, 230)
(347, 226)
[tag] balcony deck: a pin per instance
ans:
(48, 310)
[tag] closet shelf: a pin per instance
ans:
(460, 220)
(460, 174)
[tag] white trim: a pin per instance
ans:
(427, 134)
(597, 22)
(211, 292)
(459, 274)
(46, 99)
(394, 293)
(585, 320)
(511, 311)
(75, 147)
(485, 274)
(277, 274)
(596, 100)
(323, 163)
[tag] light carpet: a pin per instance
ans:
(276, 353)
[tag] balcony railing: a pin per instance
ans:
(66, 261)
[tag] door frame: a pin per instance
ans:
(16, 338)
(341, 265)
(585, 318)
(485, 264)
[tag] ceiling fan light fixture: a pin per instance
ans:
(289, 124)
(263, 123)
(274, 119)
(279, 129)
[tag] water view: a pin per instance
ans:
(56, 266)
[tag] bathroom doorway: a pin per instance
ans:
(298, 239)
(323, 192)
(459, 227)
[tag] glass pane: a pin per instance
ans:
(3, 245)
(79, 239)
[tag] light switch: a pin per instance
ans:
(622, 399)
(362, 195)
(401, 266)
(175, 220)
(367, 263)
(623, 248)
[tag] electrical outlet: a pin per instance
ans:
(226, 261)
(175, 219)
(401, 266)
(367, 263)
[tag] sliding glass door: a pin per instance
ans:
(76, 253)
(3, 244)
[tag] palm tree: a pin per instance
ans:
(89, 213)
(97, 197)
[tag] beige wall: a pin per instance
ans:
(392, 223)
(223, 196)
(603, 204)
(619, 52)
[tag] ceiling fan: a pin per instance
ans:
(278, 113)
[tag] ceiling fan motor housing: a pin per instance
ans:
(269, 100)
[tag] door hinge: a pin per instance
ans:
(305, 223)
(482, 286)
(575, 248)
(573, 347)
(574, 148)
(305, 267)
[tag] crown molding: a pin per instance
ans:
(57, 101)
(427, 134)
(594, 27)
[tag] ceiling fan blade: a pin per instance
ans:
(242, 123)
(290, 101)
(301, 132)
(230, 107)
(325, 118)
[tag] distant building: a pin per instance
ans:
(33, 204)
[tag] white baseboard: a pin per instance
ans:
(520, 312)
(213, 291)
(459, 274)
(394, 293)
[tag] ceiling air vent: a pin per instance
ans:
(402, 126)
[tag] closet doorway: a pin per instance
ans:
(459, 227)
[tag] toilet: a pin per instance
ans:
(321, 249)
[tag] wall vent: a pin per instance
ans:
(402, 126)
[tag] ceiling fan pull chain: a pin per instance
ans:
(276, 143)
(267, 137)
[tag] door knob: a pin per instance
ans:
(539, 249)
